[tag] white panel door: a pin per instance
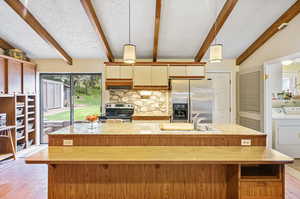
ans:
(222, 90)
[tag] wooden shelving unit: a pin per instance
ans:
(18, 100)
(21, 113)
(31, 120)
(21, 135)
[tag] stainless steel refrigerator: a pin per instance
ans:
(191, 100)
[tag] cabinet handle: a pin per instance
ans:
(261, 184)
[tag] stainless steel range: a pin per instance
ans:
(119, 111)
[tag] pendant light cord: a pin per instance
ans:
(129, 15)
(215, 27)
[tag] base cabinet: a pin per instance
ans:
(159, 181)
(286, 137)
(261, 190)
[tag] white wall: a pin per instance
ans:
(276, 78)
(283, 43)
(79, 66)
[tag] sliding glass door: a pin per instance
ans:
(87, 96)
(67, 99)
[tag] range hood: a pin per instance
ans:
(118, 84)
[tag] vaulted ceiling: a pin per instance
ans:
(184, 26)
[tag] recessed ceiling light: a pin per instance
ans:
(286, 62)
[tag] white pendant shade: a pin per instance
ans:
(129, 55)
(216, 53)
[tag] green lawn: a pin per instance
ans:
(91, 103)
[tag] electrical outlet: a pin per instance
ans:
(246, 142)
(68, 142)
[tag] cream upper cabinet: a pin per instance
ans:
(177, 71)
(142, 76)
(159, 76)
(126, 72)
(112, 72)
(118, 72)
(195, 71)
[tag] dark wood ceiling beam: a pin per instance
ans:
(156, 29)
(91, 13)
(5, 45)
(26, 15)
(222, 17)
(293, 11)
(156, 64)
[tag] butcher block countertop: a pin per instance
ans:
(152, 128)
(158, 155)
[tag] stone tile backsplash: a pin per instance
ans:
(155, 103)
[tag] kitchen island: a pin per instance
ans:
(163, 172)
(150, 134)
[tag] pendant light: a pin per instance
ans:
(129, 50)
(216, 50)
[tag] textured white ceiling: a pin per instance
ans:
(184, 26)
(249, 19)
(19, 34)
(114, 15)
(67, 22)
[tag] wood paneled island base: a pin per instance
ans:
(163, 172)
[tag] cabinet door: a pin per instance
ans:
(195, 71)
(142, 76)
(14, 71)
(2, 75)
(289, 135)
(112, 72)
(177, 71)
(261, 190)
(29, 78)
(159, 76)
(126, 72)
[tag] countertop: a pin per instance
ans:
(150, 128)
(158, 155)
(282, 116)
(152, 114)
(278, 114)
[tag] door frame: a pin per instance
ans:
(41, 110)
(268, 121)
(232, 91)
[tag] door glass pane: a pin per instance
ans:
(55, 103)
(87, 96)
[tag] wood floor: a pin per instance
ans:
(18, 180)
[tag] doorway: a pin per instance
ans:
(66, 99)
(222, 93)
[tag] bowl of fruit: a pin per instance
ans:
(92, 120)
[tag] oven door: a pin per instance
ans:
(119, 113)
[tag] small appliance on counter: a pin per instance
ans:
(118, 111)
(3, 120)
